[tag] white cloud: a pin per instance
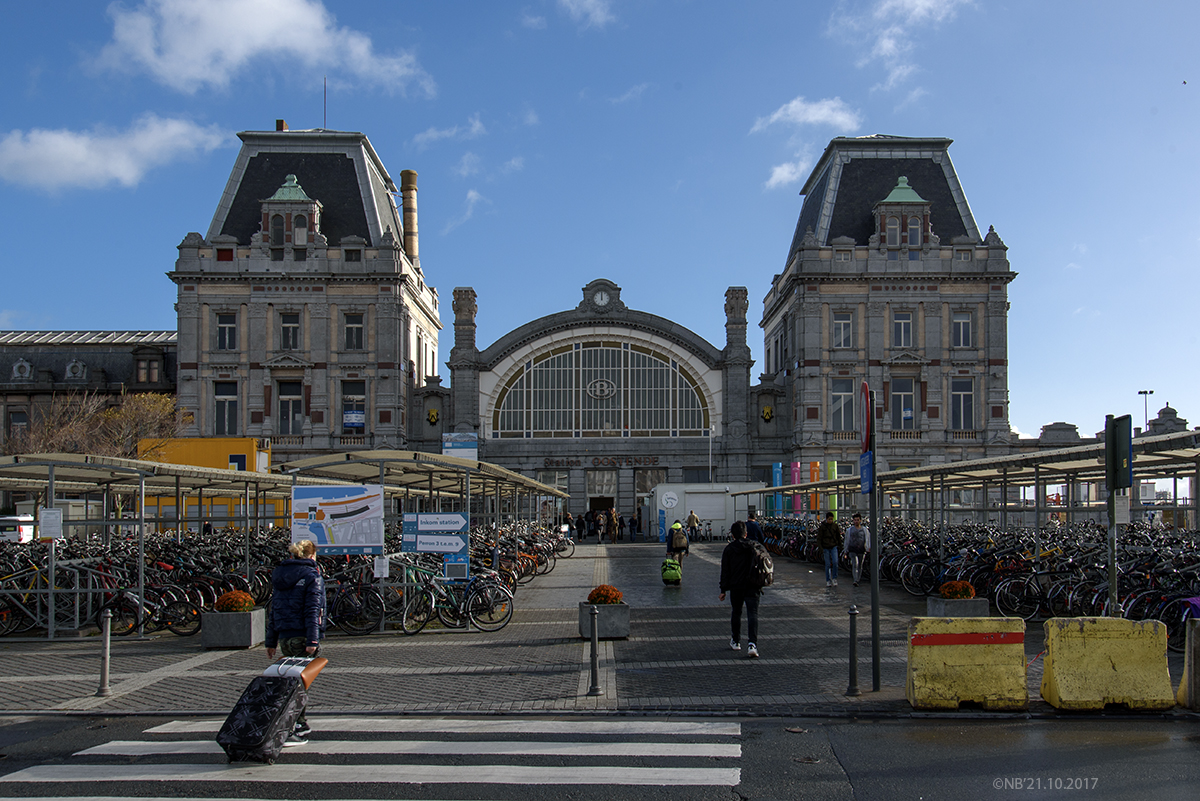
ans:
(472, 130)
(1073, 266)
(473, 200)
(533, 22)
(52, 160)
(789, 172)
(831, 112)
(190, 44)
(633, 94)
(890, 28)
(515, 164)
(1080, 248)
(591, 13)
(467, 165)
(531, 117)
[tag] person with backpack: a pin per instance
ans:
(857, 545)
(677, 543)
(829, 537)
(740, 580)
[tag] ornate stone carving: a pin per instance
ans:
(737, 303)
(464, 305)
(993, 240)
(22, 370)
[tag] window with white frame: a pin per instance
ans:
(904, 416)
(594, 389)
(226, 413)
(843, 330)
(289, 331)
(960, 330)
(841, 405)
(354, 408)
(354, 331)
(914, 233)
(291, 408)
(962, 404)
(226, 332)
(902, 329)
(893, 232)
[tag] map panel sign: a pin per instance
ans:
(339, 520)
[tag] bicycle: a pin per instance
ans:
(484, 602)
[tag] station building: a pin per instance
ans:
(304, 314)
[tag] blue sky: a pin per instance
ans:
(658, 143)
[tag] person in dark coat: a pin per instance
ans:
(737, 565)
(296, 615)
(829, 537)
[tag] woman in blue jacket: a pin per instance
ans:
(296, 616)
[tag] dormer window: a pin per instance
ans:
(914, 232)
(893, 232)
(299, 230)
(277, 230)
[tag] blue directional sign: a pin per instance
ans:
(434, 533)
(866, 471)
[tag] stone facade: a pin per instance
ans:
(602, 400)
(304, 314)
(889, 281)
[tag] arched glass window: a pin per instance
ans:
(299, 230)
(277, 230)
(601, 389)
(914, 232)
(893, 232)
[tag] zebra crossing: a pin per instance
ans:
(404, 750)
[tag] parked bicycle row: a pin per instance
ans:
(1057, 571)
(183, 578)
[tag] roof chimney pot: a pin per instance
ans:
(281, 125)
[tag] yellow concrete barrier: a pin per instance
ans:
(973, 659)
(1191, 668)
(1094, 661)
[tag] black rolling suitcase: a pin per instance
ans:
(262, 719)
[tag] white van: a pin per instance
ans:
(18, 528)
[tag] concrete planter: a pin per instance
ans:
(612, 623)
(956, 607)
(233, 629)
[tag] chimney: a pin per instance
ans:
(281, 125)
(408, 196)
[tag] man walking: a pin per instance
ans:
(857, 545)
(829, 537)
(737, 572)
(753, 531)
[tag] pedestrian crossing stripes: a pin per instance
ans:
(390, 751)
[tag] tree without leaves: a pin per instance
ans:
(84, 423)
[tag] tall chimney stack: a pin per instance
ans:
(408, 197)
(281, 125)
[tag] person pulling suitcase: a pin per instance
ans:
(296, 616)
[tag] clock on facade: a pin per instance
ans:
(600, 298)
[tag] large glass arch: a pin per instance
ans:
(598, 389)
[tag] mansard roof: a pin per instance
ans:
(856, 173)
(338, 168)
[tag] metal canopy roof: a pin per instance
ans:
(416, 472)
(1158, 456)
(75, 472)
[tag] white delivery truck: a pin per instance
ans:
(16, 528)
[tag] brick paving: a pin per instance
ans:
(676, 661)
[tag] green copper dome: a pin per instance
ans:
(291, 191)
(903, 193)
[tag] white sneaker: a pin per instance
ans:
(294, 739)
(752, 651)
(735, 645)
(835, 582)
(829, 584)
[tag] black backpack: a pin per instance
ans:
(762, 569)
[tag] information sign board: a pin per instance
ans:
(345, 519)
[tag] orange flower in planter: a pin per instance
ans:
(604, 594)
(957, 589)
(235, 601)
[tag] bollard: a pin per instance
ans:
(1189, 687)
(853, 688)
(105, 652)
(595, 688)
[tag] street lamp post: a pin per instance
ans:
(1146, 393)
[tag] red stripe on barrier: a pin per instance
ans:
(990, 638)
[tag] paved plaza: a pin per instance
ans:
(676, 660)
